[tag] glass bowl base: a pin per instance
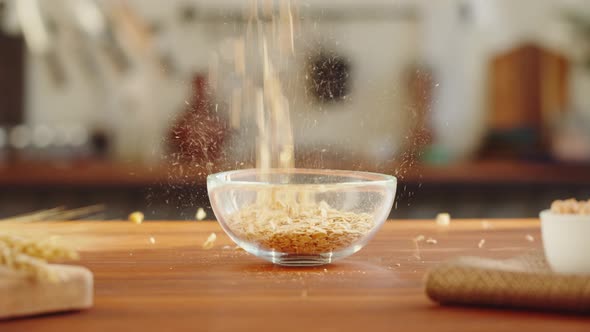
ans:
(301, 260)
(298, 259)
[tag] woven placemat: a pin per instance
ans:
(524, 282)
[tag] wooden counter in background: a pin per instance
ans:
(101, 173)
(156, 277)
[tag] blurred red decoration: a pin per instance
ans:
(198, 134)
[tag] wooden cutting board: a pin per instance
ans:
(23, 296)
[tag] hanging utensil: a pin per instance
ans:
(38, 39)
(94, 24)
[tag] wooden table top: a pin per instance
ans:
(157, 277)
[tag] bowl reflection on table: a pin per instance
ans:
(301, 216)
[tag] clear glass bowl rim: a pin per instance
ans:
(365, 178)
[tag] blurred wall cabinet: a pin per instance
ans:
(11, 80)
(527, 90)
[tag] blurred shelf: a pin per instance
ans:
(109, 174)
(94, 173)
(502, 172)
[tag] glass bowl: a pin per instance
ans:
(301, 217)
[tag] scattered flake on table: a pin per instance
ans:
(416, 240)
(431, 241)
(210, 242)
(529, 238)
(152, 240)
(443, 219)
(481, 243)
(136, 217)
(201, 214)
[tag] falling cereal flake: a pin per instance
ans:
(529, 238)
(152, 240)
(431, 241)
(136, 217)
(481, 243)
(210, 241)
(443, 219)
(201, 214)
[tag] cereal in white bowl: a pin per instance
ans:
(571, 206)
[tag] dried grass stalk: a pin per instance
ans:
(30, 257)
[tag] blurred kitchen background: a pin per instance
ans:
(480, 107)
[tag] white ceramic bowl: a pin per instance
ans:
(566, 240)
